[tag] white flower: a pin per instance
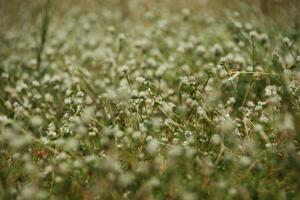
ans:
(88, 113)
(201, 50)
(140, 79)
(136, 135)
(48, 97)
(153, 147)
(175, 151)
(215, 139)
(263, 118)
(253, 34)
(126, 179)
(123, 69)
(51, 130)
(288, 123)
(201, 111)
(287, 41)
(217, 50)
(35, 83)
(92, 133)
(245, 161)
(36, 121)
(271, 90)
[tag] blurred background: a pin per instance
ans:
(282, 12)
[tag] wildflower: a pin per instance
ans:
(275, 56)
(189, 196)
(48, 97)
(111, 29)
(227, 124)
(92, 133)
(140, 79)
(263, 118)
(271, 90)
(175, 151)
(254, 34)
(124, 69)
(215, 139)
(263, 38)
(121, 37)
(245, 161)
(288, 123)
(153, 147)
(201, 111)
(126, 179)
(186, 13)
(136, 135)
(29, 192)
(36, 121)
(200, 50)
(51, 130)
(35, 83)
(286, 41)
(71, 144)
(88, 113)
(231, 100)
(217, 50)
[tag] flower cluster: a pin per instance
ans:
(155, 104)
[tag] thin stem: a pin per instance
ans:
(205, 84)
(253, 54)
(247, 92)
(254, 72)
(43, 36)
(228, 72)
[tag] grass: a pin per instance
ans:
(148, 100)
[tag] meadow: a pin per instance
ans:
(136, 99)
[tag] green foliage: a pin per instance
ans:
(113, 102)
